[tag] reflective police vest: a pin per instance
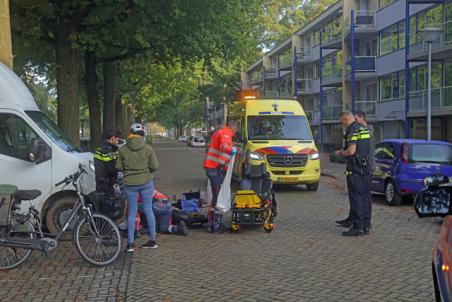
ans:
(360, 162)
(220, 147)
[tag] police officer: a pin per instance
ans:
(104, 163)
(356, 150)
(360, 117)
(219, 153)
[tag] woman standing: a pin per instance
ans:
(137, 161)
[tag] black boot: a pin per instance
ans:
(354, 231)
(346, 223)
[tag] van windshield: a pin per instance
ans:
(433, 153)
(52, 130)
(278, 127)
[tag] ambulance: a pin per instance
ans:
(276, 132)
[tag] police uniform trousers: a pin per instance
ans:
(360, 199)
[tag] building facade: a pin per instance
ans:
(356, 56)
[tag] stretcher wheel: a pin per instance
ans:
(235, 227)
(268, 227)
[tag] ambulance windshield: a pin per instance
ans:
(278, 127)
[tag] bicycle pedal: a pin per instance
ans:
(52, 243)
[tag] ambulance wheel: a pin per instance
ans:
(312, 187)
(268, 227)
(235, 227)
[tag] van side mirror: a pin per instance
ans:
(39, 151)
(433, 202)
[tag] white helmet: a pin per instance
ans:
(137, 128)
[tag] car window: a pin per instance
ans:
(15, 136)
(385, 151)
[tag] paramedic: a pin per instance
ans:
(219, 153)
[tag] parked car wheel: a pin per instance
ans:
(435, 285)
(392, 197)
(312, 187)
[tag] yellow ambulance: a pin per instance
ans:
(276, 132)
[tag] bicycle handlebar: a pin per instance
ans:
(73, 177)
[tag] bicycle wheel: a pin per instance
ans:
(11, 257)
(97, 240)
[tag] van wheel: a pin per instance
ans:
(312, 187)
(58, 213)
(392, 197)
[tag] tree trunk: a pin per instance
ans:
(92, 95)
(130, 116)
(67, 83)
(121, 118)
(110, 69)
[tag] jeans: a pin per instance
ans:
(146, 192)
(216, 177)
(163, 212)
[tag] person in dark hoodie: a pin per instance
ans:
(138, 161)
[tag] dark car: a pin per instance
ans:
(402, 165)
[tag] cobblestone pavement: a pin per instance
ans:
(304, 259)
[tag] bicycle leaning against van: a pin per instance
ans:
(95, 236)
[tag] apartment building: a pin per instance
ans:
(356, 56)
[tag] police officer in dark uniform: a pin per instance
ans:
(104, 163)
(357, 151)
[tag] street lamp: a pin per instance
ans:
(430, 35)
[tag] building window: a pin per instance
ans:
(392, 86)
(392, 38)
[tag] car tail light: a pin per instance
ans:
(404, 153)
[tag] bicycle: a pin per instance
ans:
(96, 237)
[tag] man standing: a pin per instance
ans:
(219, 153)
(360, 117)
(104, 163)
(356, 150)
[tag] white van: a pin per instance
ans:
(34, 153)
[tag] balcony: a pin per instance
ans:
(441, 49)
(391, 110)
(331, 112)
(441, 101)
(270, 94)
(368, 107)
(256, 78)
(285, 62)
(305, 55)
(332, 78)
(308, 86)
(332, 39)
(364, 68)
(270, 73)
(365, 24)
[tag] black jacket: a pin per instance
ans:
(104, 163)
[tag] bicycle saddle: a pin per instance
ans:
(20, 195)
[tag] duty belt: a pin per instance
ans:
(348, 173)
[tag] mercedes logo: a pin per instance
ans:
(288, 159)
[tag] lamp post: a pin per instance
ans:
(430, 35)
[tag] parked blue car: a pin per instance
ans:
(402, 164)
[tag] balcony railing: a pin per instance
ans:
(270, 93)
(332, 75)
(331, 112)
(364, 19)
(445, 38)
(368, 107)
(270, 72)
(304, 85)
(331, 35)
(441, 99)
(362, 64)
(305, 53)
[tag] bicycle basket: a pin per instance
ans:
(6, 201)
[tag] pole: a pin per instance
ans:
(429, 99)
(407, 70)
(353, 58)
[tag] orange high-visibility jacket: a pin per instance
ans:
(219, 149)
